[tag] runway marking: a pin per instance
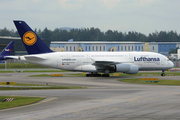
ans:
(54, 80)
(77, 112)
(88, 113)
(103, 100)
(150, 98)
(81, 110)
(43, 101)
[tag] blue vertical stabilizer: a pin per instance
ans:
(32, 42)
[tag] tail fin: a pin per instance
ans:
(32, 42)
(7, 50)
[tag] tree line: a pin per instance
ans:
(95, 34)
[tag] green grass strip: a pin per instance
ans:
(77, 74)
(6, 71)
(151, 74)
(27, 71)
(19, 101)
(40, 75)
(161, 82)
(24, 84)
(40, 88)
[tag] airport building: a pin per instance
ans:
(95, 46)
(162, 47)
(81, 46)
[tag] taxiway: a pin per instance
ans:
(104, 99)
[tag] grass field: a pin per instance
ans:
(120, 74)
(19, 101)
(39, 87)
(31, 71)
(138, 74)
(161, 82)
(40, 75)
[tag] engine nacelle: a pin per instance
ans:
(133, 70)
(127, 68)
(122, 67)
(86, 68)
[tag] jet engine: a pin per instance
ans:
(127, 68)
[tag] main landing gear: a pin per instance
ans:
(162, 74)
(97, 75)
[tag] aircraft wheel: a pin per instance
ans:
(105, 75)
(99, 75)
(87, 75)
(162, 74)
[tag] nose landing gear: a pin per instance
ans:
(162, 74)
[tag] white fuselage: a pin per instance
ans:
(83, 61)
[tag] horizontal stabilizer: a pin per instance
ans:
(11, 57)
(34, 58)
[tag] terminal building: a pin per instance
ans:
(97, 46)
(81, 46)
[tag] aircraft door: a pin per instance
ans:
(131, 57)
(59, 62)
(78, 62)
(68, 56)
(88, 60)
(162, 61)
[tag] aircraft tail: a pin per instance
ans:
(31, 41)
(7, 50)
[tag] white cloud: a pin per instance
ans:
(144, 2)
(35, 0)
(70, 3)
(110, 3)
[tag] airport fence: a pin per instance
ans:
(176, 63)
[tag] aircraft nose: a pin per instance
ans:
(171, 64)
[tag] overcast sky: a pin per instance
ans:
(145, 16)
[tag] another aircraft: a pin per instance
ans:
(92, 62)
(7, 51)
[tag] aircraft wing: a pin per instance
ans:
(104, 63)
(107, 63)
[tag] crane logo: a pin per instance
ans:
(29, 38)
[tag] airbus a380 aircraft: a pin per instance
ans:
(92, 62)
